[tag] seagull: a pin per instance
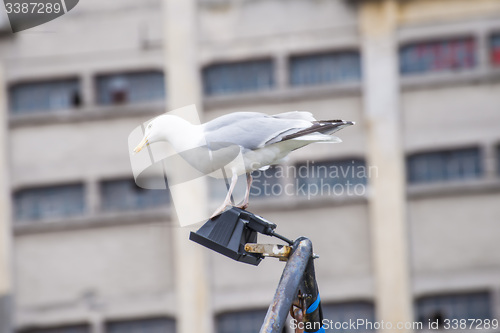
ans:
(261, 139)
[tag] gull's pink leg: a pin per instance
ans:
(244, 204)
(227, 201)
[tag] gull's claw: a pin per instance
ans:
(244, 207)
(219, 211)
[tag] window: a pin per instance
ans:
(155, 325)
(49, 202)
(495, 49)
(325, 68)
(62, 329)
(43, 96)
(241, 322)
(438, 56)
(336, 177)
(4, 24)
(130, 87)
(459, 306)
(444, 165)
(351, 311)
(238, 77)
(498, 160)
(124, 194)
(266, 183)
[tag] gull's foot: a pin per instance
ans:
(219, 211)
(244, 207)
(243, 204)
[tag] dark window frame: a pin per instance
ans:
(343, 312)
(260, 313)
(420, 67)
(169, 321)
(267, 178)
(449, 305)
(324, 168)
(445, 159)
(69, 102)
(74, 328)
(494, 47)
(240, 83)
(139, 201)
(104, 96)
(328, 79)
(498, 159)
(33, 200)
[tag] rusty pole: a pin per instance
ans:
(298, 278)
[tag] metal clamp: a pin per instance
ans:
(282, 252)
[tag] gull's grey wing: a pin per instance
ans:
(230, 119)
(304, 115)
(252, 130)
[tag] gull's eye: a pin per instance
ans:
(150, 125)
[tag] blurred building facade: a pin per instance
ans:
(93, 253)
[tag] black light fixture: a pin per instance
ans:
(228, 233)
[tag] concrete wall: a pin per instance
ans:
(453, 243)
(115, 270)
(464, 115)
(60, 153)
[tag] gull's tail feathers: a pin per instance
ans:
(319, 138)
(322, 128)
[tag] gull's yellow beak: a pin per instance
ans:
(141, 145)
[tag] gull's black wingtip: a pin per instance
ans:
(337, 121)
